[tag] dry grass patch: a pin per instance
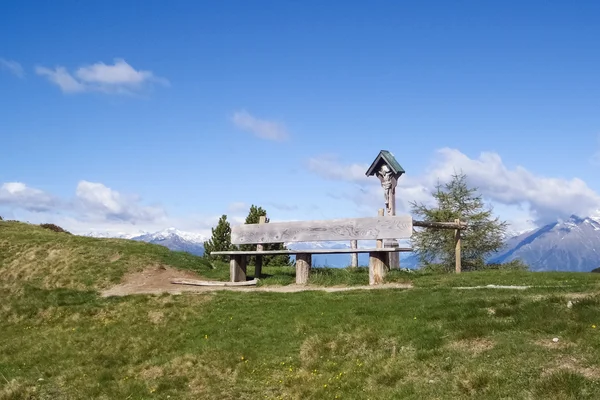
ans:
(152, 373)
(156, 317)
(473, 346)
(572, 364)
(16, 389)
(548, 343)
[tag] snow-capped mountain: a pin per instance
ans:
(175, 240)
(169, 233)
(564, 245)
(171, 238)
(114, 235)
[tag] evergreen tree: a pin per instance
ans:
(273, 260)
(484, 235)
(220, 240)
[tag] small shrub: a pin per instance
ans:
(54, 228)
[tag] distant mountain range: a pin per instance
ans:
(564, 245)
(171, 238)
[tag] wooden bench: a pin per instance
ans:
(376, 228)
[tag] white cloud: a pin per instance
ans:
(119, 77)
(99, 200)
(98, 208)
(63, 79)
(13, 67)
(262, 128)
(238, 206)
(329, 167)
(120, 73)
(546, 198)
(17, 194)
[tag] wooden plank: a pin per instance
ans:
(440, 225)
(310, 251)
(391, 227)
(195, 282)
(237, 268)
(457, 244)
(259, 247)
(303, 264)
(379, 243)
(354, 256)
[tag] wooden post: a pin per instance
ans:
(378, 262)
(237, 268)
(259, 247)
(354, 259)
(303, 263)
(377, 267)
(457, 247)
(394, 258)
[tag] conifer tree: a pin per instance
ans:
(273, 260)
(455, 199)
(220, 240)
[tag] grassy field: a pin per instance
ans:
(60, 340)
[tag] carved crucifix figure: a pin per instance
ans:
(388, 183)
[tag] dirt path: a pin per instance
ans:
(157, 280)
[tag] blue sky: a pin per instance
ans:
(124, 115)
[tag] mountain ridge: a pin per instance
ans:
(571, 244)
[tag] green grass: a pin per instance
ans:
(60, 340)
(48, 259)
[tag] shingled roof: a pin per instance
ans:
(389, 159)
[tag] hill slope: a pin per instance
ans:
(34, 255)
(60, 343)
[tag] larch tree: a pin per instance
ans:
(456, 200)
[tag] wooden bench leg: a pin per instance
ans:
(258, 267)
(303, 263)
(237, 268)
(377, 267)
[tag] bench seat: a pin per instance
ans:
(347, 229)
(310, 251)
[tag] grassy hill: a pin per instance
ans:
(60, 340)
(46, 259)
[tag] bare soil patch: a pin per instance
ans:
(157, 280)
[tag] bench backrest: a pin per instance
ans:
(396, 227)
